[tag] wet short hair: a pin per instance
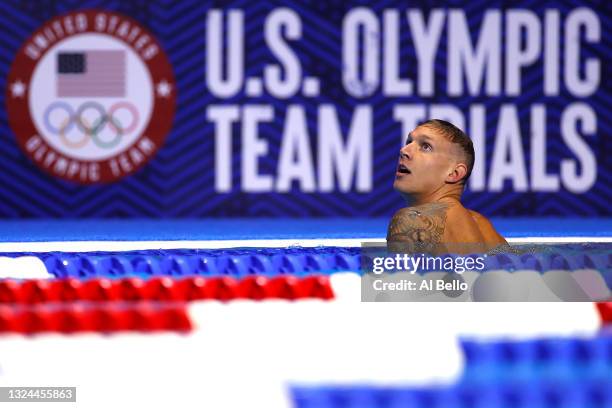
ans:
(456, 136)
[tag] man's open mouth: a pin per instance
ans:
(403, 169)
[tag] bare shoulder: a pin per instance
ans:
(486, 228)
(478, 216)
(424, 223)
(480, 219)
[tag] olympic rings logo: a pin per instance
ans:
(90, 129)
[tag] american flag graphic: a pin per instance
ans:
(91, 73)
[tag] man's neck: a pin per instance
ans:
(447, 193)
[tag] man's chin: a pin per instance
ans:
(401, 187)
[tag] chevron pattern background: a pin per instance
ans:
(179, 181)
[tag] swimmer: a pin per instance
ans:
(432, 171)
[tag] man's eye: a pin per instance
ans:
(426, 146)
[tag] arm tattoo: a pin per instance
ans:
(421, 226)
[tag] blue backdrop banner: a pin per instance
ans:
(262, 109)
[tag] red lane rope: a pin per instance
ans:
(105, 317)
(31, 292)
(605, 311)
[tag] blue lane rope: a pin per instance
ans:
(240, 262)
(542, 373)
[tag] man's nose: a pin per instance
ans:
(405, 152)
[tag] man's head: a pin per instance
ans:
(436, 154)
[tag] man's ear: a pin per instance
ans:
(457, 173)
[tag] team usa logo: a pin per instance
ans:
(91, 96)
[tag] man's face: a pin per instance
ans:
(425, 162)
